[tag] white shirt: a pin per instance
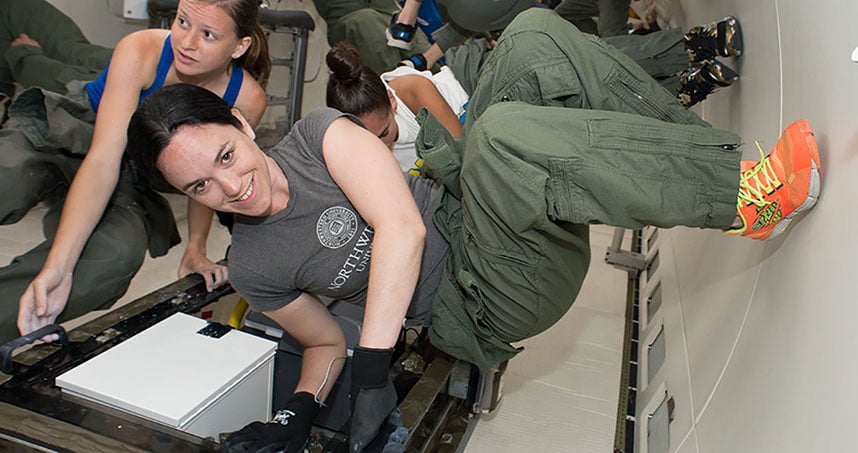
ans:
(451, 90)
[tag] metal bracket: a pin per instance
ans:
(631, 262)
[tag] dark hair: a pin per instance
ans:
(161, 114)
(245, 15)
(352, 86)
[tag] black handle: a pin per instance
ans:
(286, 18)
(7, 349)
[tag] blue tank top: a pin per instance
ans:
(95, 88)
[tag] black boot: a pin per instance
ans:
(416, 61)
(701, 80)
(722, 38)
(400, 35)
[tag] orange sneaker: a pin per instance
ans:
(773, 191)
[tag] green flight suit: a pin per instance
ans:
(563, 131)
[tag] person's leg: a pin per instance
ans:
(684, 64)
(484, 15)
(14, 279)
(613, 17)
(112, 256)
(61, 42)
(31, 67)
(41, 147)
(541, 59)
(364, 29)
(661, 54)
(410, 8)
(580, 13)
(29, 176)
(603, 167)
(533, 178)
(332, 11)
(57, 34)
(467, 60)
(42, 144)
(450, 35)
(403, 25)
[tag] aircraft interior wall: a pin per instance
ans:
(758, 336)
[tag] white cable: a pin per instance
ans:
(325, 381)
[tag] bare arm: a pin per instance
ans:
(310, 322)
(194, 260)
(418, 92)
(408, 15)
(94, 183)
(373, 182)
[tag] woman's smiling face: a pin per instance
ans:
(220, 166)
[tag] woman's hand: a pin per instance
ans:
(196, 262)
(44, 300)
(23, 39)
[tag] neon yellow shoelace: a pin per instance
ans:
(764, 176)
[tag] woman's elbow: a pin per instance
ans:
(417, 231)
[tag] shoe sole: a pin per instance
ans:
(398, 43)
(728, 74)
(739, 44)
(806, 133)
(809, 202)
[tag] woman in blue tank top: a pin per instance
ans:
(108, 219)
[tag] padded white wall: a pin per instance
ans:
(98, 20)
(760, 336)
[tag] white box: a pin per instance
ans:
(174, 375)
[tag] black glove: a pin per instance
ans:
(372, 395)
(288, 431)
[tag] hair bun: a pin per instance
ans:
(345, 63)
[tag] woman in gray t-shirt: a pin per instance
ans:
(326, 212)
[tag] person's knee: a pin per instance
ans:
(363, 15)
(28, 176)
(24, 187)
(364, 22)
(126, 258)
(103, 273)
(13, 209)
(482, 15)
(496, 118)
(362, 28)
(118, 245)
(495, 144)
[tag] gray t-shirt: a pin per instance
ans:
(319, 244)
